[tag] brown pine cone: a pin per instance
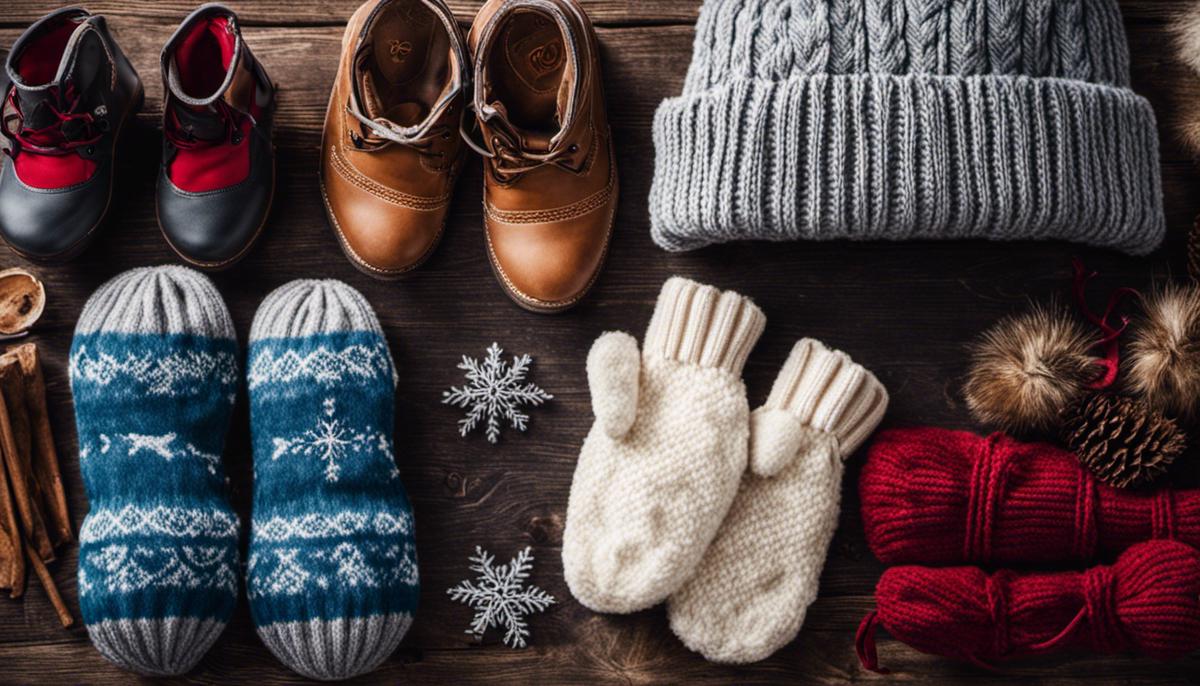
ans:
(1122, 441)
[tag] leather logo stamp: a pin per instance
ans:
(399, 50)
(546, 58)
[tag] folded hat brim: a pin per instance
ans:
(897, 157)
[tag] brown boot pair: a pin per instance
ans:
(392, 148)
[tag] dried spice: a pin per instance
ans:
(33, 509)
(47, 478)
(22, 300)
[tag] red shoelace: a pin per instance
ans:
(57, 138)
(231, 120)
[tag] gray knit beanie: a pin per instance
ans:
(895, 119)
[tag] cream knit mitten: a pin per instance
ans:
(750, 593)
(661, 464)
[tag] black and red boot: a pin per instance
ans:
(71, 96)
(218, 171)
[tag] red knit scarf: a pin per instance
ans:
(939, 497)
(1148, 602)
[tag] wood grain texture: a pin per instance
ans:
(332, 12)
(904, 310)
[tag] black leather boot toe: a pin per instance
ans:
(71, 94)
(218, 172)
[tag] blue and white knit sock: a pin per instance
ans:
(154, 376)
(333, 569)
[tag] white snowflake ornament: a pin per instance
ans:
(331, 440)
(501, 598)
(494, 390)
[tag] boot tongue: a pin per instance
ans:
(37, 106)
(85, 55)
(527, 140)
(201, 122)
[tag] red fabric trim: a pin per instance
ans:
(203, 57)
(212, 167)
(49, 173)
(38, 62)
(42, 158)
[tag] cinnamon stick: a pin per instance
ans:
(12, 551)
(16, 443)
(49, 490)
(43, 574)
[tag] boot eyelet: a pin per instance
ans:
(573, 149)
(102, 125)
(236, 139)
(90, 150)
(446, 136)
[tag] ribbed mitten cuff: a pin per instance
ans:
(700, 325)
(828, 391)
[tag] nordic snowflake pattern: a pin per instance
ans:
(494, 391)
(501, 598)
(123, 568)
(349, 564)
(332, 441)
(325, 366)
(104, 524)
(160, 445)
(177, 373)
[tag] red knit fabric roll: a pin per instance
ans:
(1148, 602)
(939, 497)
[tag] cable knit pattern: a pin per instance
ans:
(749, 596)
(652, 486)
(332, 577)
(153, 371)
(904, 119)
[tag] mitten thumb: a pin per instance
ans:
(820, 394)
(775, 438)
(613, 367)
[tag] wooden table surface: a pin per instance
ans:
(903, 310)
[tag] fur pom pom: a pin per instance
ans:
(1185, 118)
(1185, 28)
(1164, 352)
(1027, 368)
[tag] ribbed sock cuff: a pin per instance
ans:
(698, 324)
(869, 157)
(826, 390)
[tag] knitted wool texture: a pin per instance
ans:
(154, 372)
(753, 587)
(661, 465)
(1147, 602)
(939, 497)
(894, 119)
(332, 577)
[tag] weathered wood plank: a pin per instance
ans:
(335, 12)
(313, 12)
(904, 310)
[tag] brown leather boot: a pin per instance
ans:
(391, 151)
(550, 176)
